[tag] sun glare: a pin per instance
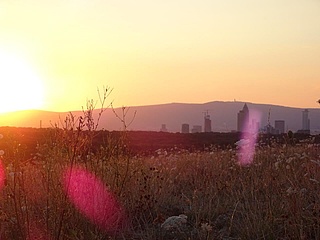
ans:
(20, 87)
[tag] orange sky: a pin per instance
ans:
(153, 52)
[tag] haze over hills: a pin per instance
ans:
(150, 118)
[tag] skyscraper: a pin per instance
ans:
(185, 128)
(207, 123)
(163, 128)
(243, 118)
(196, 129)
(305, 120)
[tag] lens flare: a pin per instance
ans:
(249, 136)
(2, 175)
(2, 172)
(93, 199)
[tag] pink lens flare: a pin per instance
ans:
(249, 138)
(2, 175)
(93, 199)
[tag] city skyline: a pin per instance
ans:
(55, 54)
(173, 116)
(245, 122)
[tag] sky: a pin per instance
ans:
(154, 52)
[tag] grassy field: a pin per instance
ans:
(276, 197)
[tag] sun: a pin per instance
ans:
(20, 87)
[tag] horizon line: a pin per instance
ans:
(159, 104)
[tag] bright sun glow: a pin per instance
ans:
(20, 87)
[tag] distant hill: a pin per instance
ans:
(150, 118)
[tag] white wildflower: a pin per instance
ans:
(10, 167)
(276, 165)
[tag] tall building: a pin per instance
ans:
(207, 123)
(196, 129)
(305, 120)
(163, 128)
(279, 126)
(185, 128)
(243, 118)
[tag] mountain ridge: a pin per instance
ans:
(150, 117)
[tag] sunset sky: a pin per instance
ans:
(56, 53)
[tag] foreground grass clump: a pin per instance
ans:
(276, 197)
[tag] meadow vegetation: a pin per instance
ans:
(276, 197)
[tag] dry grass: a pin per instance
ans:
(277, 197)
